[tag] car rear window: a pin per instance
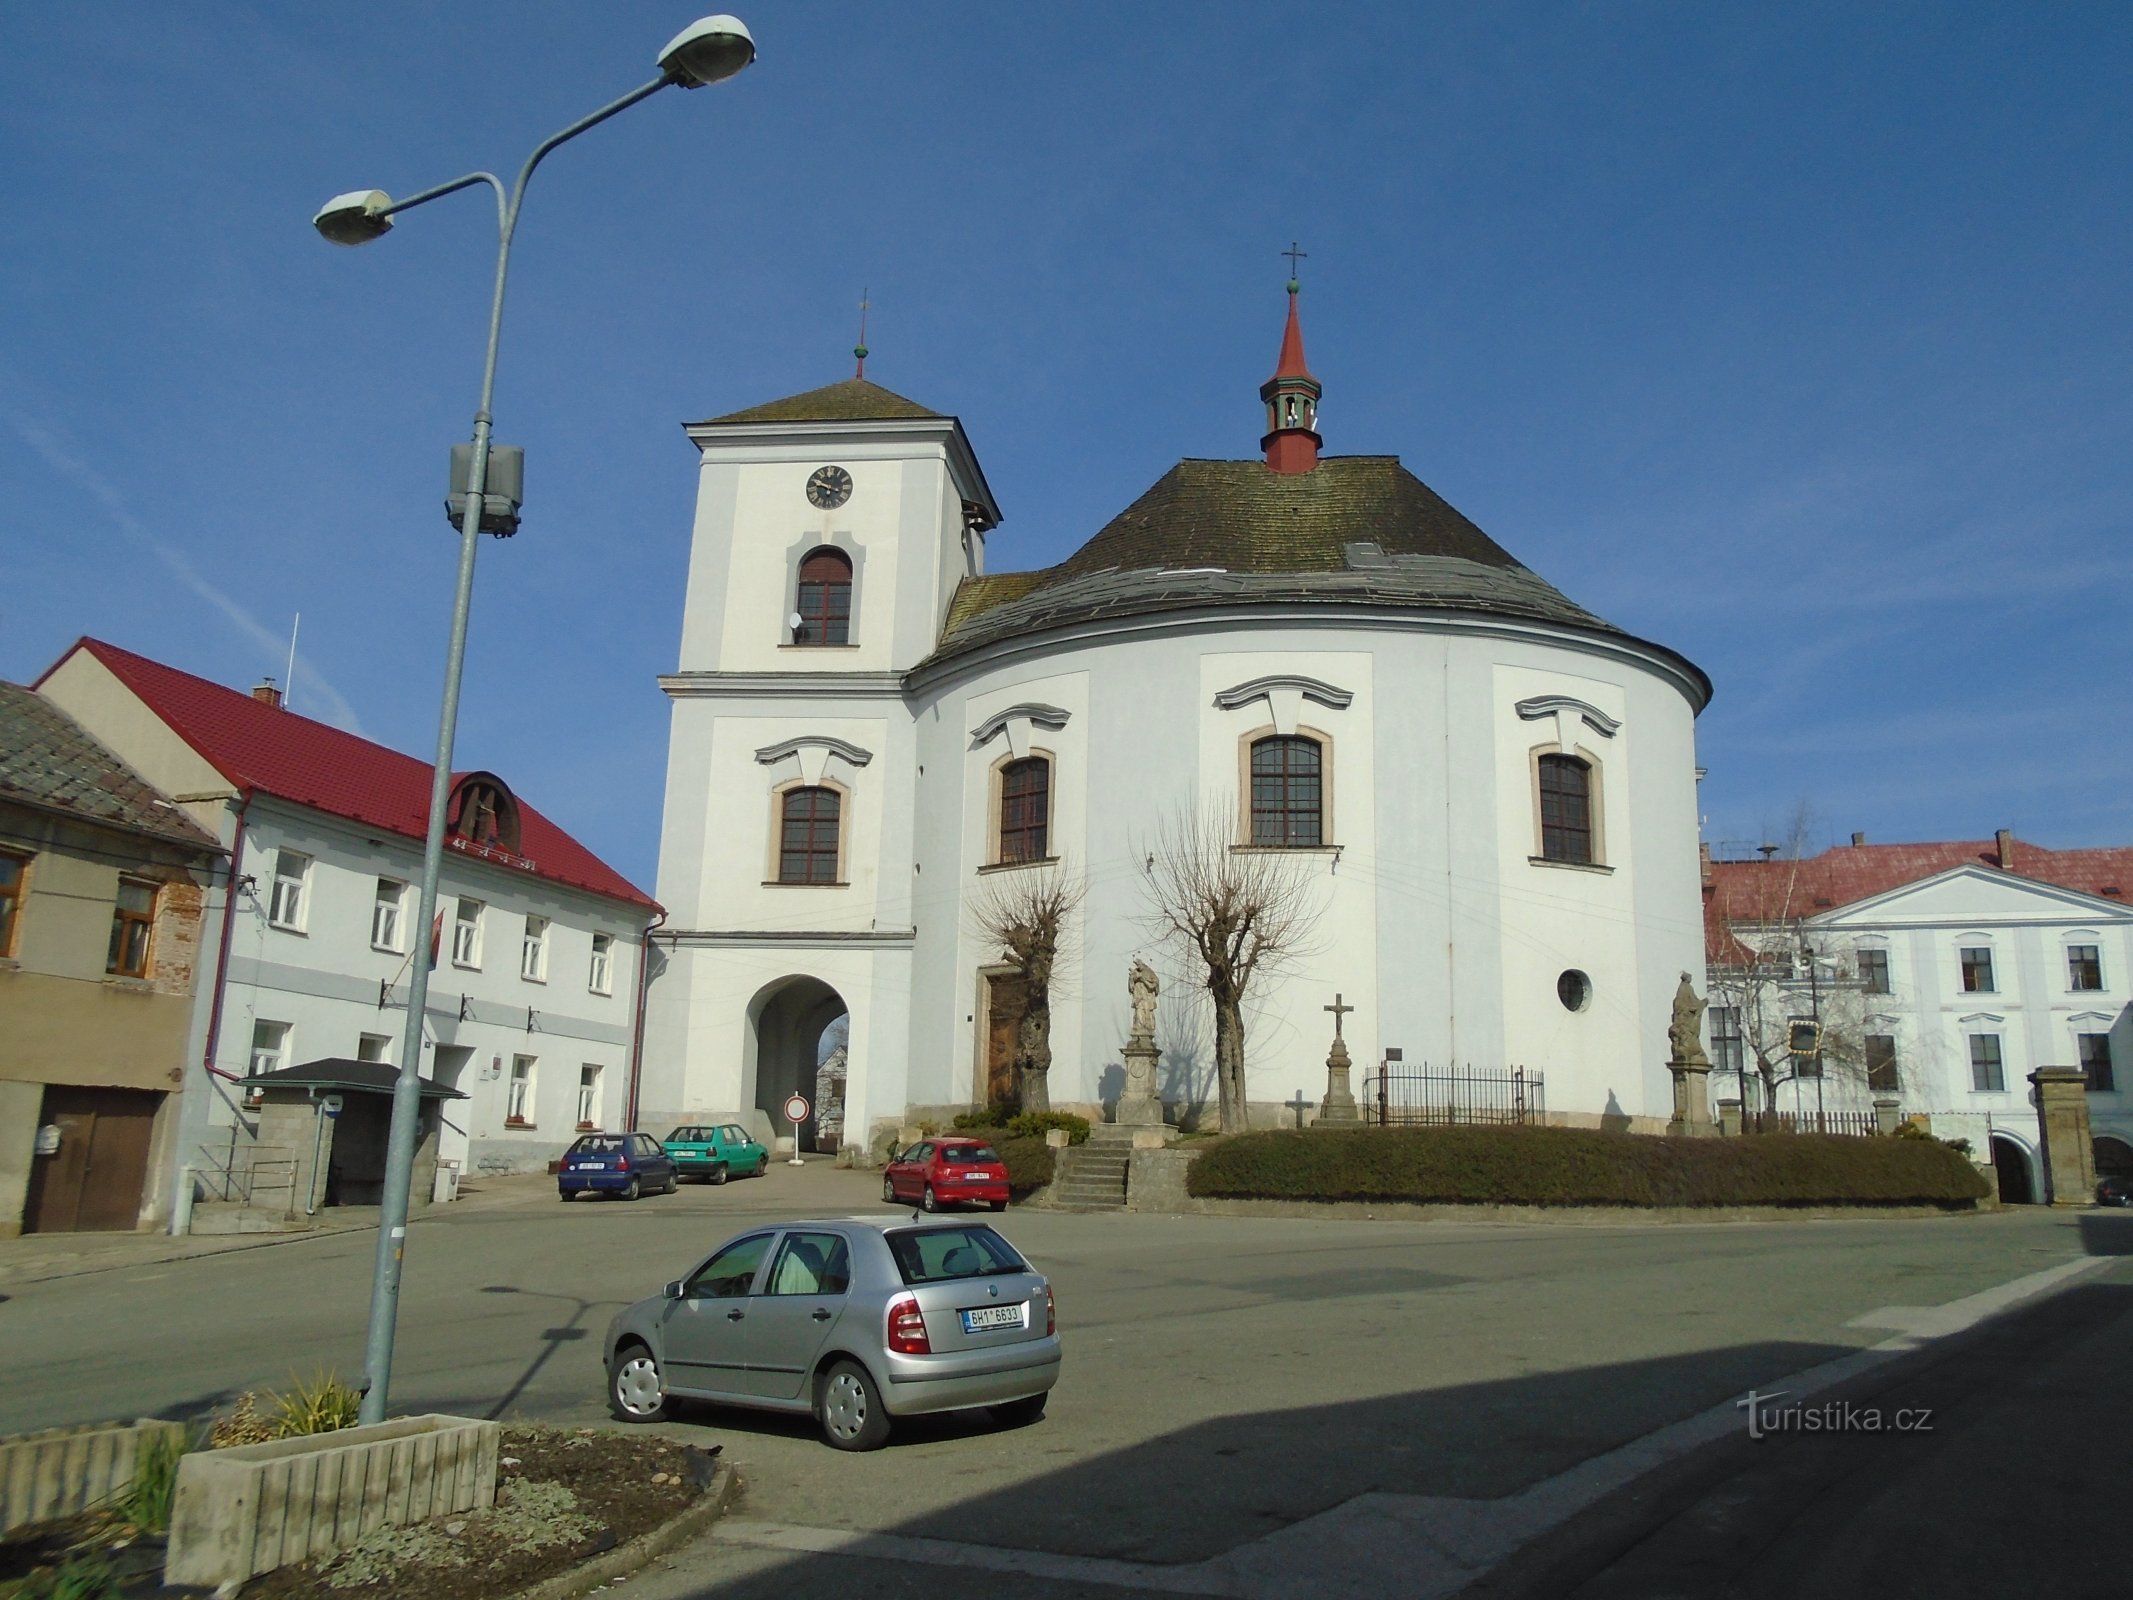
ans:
(970, 1154)
(937, 1255)
(686, 1136)
(599, 1144)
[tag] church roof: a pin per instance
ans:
(1356, 530)
(853, 400)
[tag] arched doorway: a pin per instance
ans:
(2114, 1157)
(786, 1022)
(2010, 1162)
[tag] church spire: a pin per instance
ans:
(1291, 396)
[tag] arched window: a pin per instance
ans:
(1566, 809)
(1288, 807)
(482, 812)
(807, 835)
(825, 598)
(1025, 809)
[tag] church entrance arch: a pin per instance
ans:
(786, 1021)
(2010, 1164)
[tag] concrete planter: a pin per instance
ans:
(255, 1507)
(63, 1471)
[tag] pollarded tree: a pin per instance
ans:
(1236, 916)
(1027, 914)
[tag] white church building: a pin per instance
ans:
(1490, 791)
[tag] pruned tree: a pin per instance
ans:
(1236, 916)
(1026, 914)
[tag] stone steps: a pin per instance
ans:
(1092, 1175)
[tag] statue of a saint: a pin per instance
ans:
(1684, 1035)
(1142, 986)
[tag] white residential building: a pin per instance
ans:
(308, 946)
(1952, 970)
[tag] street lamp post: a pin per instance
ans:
(705, 52)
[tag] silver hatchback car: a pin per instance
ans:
(858, 1320)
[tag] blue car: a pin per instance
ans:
(625, 1164)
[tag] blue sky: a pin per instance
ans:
(1794, 337)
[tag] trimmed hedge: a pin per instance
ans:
(1027, 1124)
(1582, 1167)
(1030, 1163)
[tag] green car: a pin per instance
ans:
(715, 1154)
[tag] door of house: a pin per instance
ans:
(94, 1181)
(1006, 997)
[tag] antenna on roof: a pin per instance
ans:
(288, 679)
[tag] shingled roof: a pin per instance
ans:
(853, 400)
(1358, 530)
(50, 763)
(271, 750)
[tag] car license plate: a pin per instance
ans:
(979, 1318)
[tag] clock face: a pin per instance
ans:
(829, 487)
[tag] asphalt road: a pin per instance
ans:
(1226, 1379)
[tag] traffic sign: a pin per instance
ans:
(796, 1108)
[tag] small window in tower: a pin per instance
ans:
(1025, 809)
(807, 835)
(824, 602)
(1566, 809)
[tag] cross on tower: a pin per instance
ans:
(1339, 1011)
(1295, 255)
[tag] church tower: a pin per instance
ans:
(1291, 395)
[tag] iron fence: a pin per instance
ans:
(1399, 1098)
(1852, 1124)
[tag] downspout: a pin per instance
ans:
(229, 929)
(644, 978)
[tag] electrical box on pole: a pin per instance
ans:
(503, 488)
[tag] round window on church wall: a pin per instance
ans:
(1574, 989)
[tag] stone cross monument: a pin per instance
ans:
(1339, 1104)
(1138, 1104)
(1689, 1065)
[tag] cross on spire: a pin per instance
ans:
(1339, 1011)
(860, 349)
(1295, 255)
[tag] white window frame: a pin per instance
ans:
(589, 1076)
(266, 1059)
(519, 1092)
(533, 950)
(289, 899)
(385, 1048)
(466, 932)
(388, 917)
(600, 977)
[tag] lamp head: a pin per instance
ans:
(709, 50)
(356, 217)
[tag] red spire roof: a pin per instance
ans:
(262, 747)
(1291, 362)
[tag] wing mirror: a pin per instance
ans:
(674, 1289)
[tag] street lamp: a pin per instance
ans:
(707, 51)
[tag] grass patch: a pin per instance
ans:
(1582, 1167)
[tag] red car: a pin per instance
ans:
(943, 1172)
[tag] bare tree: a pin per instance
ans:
(1235, 915)
(1026, 914)
(1768, 970)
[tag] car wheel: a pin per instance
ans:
(888, 1191)
(1020, 1413)
(636, 1388)
(717, 1174)
(634, 1188)
(997, 1205)
(563, 1195)
(849, 1408)
(926, 1202)
(673, 1183)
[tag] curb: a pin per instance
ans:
(625, 1559)
(1571, 1216)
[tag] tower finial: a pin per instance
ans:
(1292, 394)
(860, 349)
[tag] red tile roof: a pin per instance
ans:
(1780, 891)
(261, 747)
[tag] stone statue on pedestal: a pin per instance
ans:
(1339, 1104)
(1138, 1103)
(1690, 1067)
